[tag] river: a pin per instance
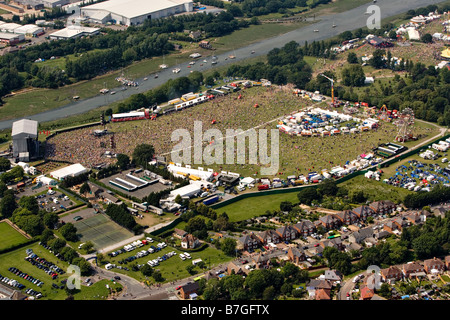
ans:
(348, 20)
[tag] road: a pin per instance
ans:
(349, 20)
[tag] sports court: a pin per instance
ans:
(101, 231)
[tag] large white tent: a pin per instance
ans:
(69, 171)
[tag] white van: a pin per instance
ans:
(109, 266)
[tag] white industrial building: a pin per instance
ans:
(9, 27)
(53, 3)
(69, 171)
(29, 30)
(134, 12)
(25, 139)
(74, 31)
(187, 191)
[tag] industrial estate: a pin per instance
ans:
(183, 150)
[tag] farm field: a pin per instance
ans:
(9, 237)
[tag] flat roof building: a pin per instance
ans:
(73, 31)
(134, 12)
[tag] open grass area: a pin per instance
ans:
(256, 206)
(9, 237)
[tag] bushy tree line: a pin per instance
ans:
(121, 215)
(284, 65)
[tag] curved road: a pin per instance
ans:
(349, 20)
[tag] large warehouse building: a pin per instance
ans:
(134, 12)
(25, 139)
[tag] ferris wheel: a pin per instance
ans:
(405, 124)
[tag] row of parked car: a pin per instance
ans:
(47, 266)
(131, 247)
(155, 262)
(59, 256)
(33, 293)
(26, 276)
(11, 282)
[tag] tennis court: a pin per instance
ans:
(101, 231)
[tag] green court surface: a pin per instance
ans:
(101, 231)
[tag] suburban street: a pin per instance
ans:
(349, 20)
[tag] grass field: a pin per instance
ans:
(256, 206)
(9, 237)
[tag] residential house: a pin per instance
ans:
(347, 217)
(109, 198)
(296, 255)
(382, 207)
(366, 293)
(412, 269)
(261, 261)
(434, 263)
(413, 218)
(395, 226)
(188, 289)
(315, 284)
(335, 243)
(237, 267)
(305, 227)
(195, 34)
(330, 222)
(269, 236)
(333, 276)
(178, 233)
(190, 242)
(95, 192)
(440, 211)
(287, 233)
(250, 242)
(322, 294)
(447, 262)
(360, 235)
(391, 274)
(363, 212)
(381, 234)
(353, 246)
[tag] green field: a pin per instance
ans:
(9, 237)
(256, 206)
